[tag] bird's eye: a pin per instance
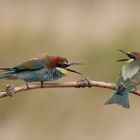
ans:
(59, 65)
(133, 57)
(62, 65)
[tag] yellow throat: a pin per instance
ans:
(130, 60)
(63, 71)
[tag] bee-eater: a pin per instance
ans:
(128, 79)
(44, 68)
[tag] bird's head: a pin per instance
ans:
(131, 56)
(61, 64)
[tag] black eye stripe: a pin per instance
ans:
(131, 56)
(62, 65)
(134, 57)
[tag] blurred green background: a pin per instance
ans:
(87, 31)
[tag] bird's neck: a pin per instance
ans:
(50, 61)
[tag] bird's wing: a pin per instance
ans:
(33, 64)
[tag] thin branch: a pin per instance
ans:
(10, 90)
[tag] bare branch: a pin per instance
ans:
(75, 84)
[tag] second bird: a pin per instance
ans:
(128, 79)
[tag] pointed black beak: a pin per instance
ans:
(70, 70)
(122, 60)
(130, 56)
(124, 52)
(67, 65)
(75, 64)
(72, 64)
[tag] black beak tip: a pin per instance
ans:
(70, 70)
(122, 51)
(118, 61)
(75, 64)
(119, 50)
(122, 60)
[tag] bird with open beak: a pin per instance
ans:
(128, 79)
(44, 68)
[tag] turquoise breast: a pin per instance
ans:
(40, 75)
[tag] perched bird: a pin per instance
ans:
(44, 68)
(128, 79)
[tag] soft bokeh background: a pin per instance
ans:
(87, 31)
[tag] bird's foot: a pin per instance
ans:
(136, 88)
(27, 86)
(42, 84)
(84, 83)
(9, 90)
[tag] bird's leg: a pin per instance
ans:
(27, 86)
(136, 88)
(84, 83)
(42, 84)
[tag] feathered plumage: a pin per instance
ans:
(45, 68)
(128, 79)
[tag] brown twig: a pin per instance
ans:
(81, 83)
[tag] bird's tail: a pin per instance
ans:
(120, 99)
(10, 75)
(7, 69)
